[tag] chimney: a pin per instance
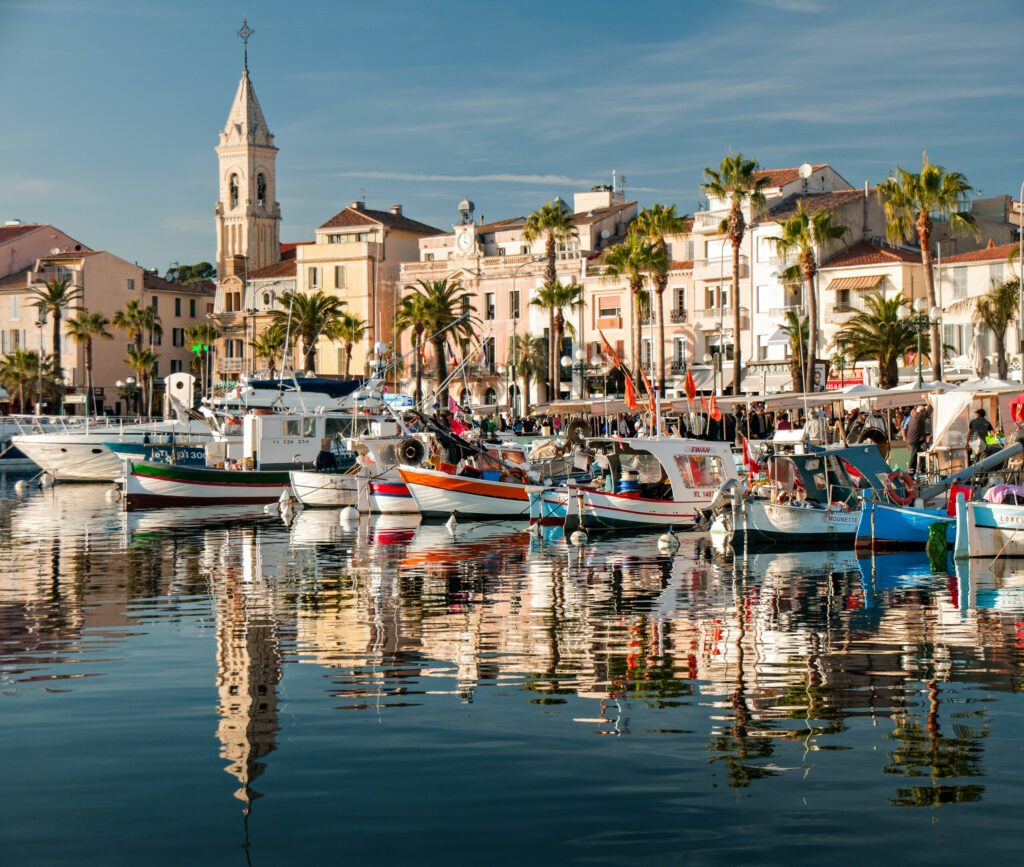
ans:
(358, 205)
(396, 210)
(12, 222)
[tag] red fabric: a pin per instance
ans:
(748, 459)
(1017, 408)
(691, 386)
(608, 349)
(716, 413)
(954, 490)
(650, 390)
(630, 394)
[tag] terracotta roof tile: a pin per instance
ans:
(154, 282)
(9, 233)
(288, 248)
(284, 268)
(813, 202)
(870, 253)
(596, 214)
(681, 265)
(779, 177)
(351, 217)
(992, 253)
(17, 280)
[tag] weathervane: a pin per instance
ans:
(245, 34)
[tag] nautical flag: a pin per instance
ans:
(423, 353)
(704, 405)
(457, 426)
(630, 394)
(453, 407)
(748, 459)
(715, 412)
(691, 386)
(650, 391)
(451, 354)
(608, 349)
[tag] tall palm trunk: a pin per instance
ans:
(637, 333)
(442, 372)
(526, 394)
(88, 377)
(58, 368)
(736, 353)
(348, 358)
(660, 287)
(419, 366)
(1002, 367)
(924, 234)
(812, 316)
(309, 355)
(550, 276)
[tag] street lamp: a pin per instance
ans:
(920, 319)
(40, 324)
(577, 368)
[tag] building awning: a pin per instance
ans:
(778, 338)
(866, 281)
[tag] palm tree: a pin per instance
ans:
(736, 181)
(413, 314)
(268, 345)
(308, 317)
(995, 310)
(795, 327)
(18, 369)
(655, 223)
(528, 353)
(136, 321)
(911, 200)
(203, 334)
(347, 330)
(556, 298)
(802, 235)
(448, 310)
(84, 328)
(554, 223)
(54, 298)
(877, 333)
(633, 259)
(143, 363)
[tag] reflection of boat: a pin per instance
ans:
(989, 584)
(791, 564)
(186, 517)
(395, 529)
(315, 526)
(433, 544)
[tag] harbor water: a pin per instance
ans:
(217, 687)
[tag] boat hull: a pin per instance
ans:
(549, 508)
(885, 527)
(439, 495)
(152, 485)
(392, 497)
(757, 523)
(325, 490)
(602, 511)
(989, 530)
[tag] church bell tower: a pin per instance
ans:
(248, 215)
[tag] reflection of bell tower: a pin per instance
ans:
(248, 671)
(248, 216)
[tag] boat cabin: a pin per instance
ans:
(662, 468)
(828, 476)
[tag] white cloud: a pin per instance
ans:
(501, 178)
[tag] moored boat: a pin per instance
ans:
(150, 485)
(440, 494)
(989, 529)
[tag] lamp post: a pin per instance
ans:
(920, 320)
(578, 368)
(40, 324)
(532, 260)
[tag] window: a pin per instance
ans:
(129, 284)
(313, 275)
(689, 249)
(177, 337)
(513, 304)
(488, 351)
(959, 282)
(175, 365)
(715, 297)
(15, 311)
(949, 338)
(466, 305)
(679, 351)
(177, 307)
(261, 190)
(300, 427)
(609, 306)
(501, 251)
(233, 190)
(429, 257)
(647, 352)
(339, 277)
(762, 347)
(490, 397)
(768, 298)
(268, 300)
(155, 303)
(714, 347)
(842, 300)
(680, 298)
(489, 310)
(192, 307)
(996, 272)
(701, 471)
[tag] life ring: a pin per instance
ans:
(909, 488)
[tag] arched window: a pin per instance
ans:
(261, 190)
(490, 397)
(234, 191)
(465, 398)
(266, 301)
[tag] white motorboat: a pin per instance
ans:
(472, 494)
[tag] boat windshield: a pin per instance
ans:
(648, 467)
(701, 471)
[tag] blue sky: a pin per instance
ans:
(111, 108)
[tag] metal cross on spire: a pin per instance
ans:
(245, 34)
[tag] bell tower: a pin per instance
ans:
(248, 215)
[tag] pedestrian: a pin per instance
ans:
(916, 438)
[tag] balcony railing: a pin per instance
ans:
(705, 221)
(780, 312)
(840, 309)
(679, 367)
(609, 322)
(230, 365)
(713, 316)
(677, 316)
(719, 268)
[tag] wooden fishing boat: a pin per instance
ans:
(148, 485)
(477, 497)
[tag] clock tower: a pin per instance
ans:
(248, 215)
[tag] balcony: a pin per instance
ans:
(708, 221)
(677, 316)
(780, 312)
(679, 367)
(840, 309)
(719, 268)
(230, 365)
(709, 319)
(608, 322)
(440, 266)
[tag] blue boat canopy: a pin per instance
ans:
(333, 388)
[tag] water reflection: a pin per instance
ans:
(761, 664)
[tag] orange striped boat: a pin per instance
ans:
(440, 495)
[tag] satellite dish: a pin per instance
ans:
(605, 234)
(805, 171)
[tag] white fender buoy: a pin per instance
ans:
(349, 515)
(668, 541)
(578, 538)
(451, 524)
(113, 495)
(286, 497)
(20, 486)
(45, 480)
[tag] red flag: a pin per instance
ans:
(650, 390)
(704, 405)
(608, 349)
(748, 459)
(453, 407)
(457, 426)
(630, 394)
(715, 412)
(691, 386)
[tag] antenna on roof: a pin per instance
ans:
(362, 195)
(622, 186)
(614, 188)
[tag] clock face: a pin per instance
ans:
(465, 241)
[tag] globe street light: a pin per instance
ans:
(917, 317)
